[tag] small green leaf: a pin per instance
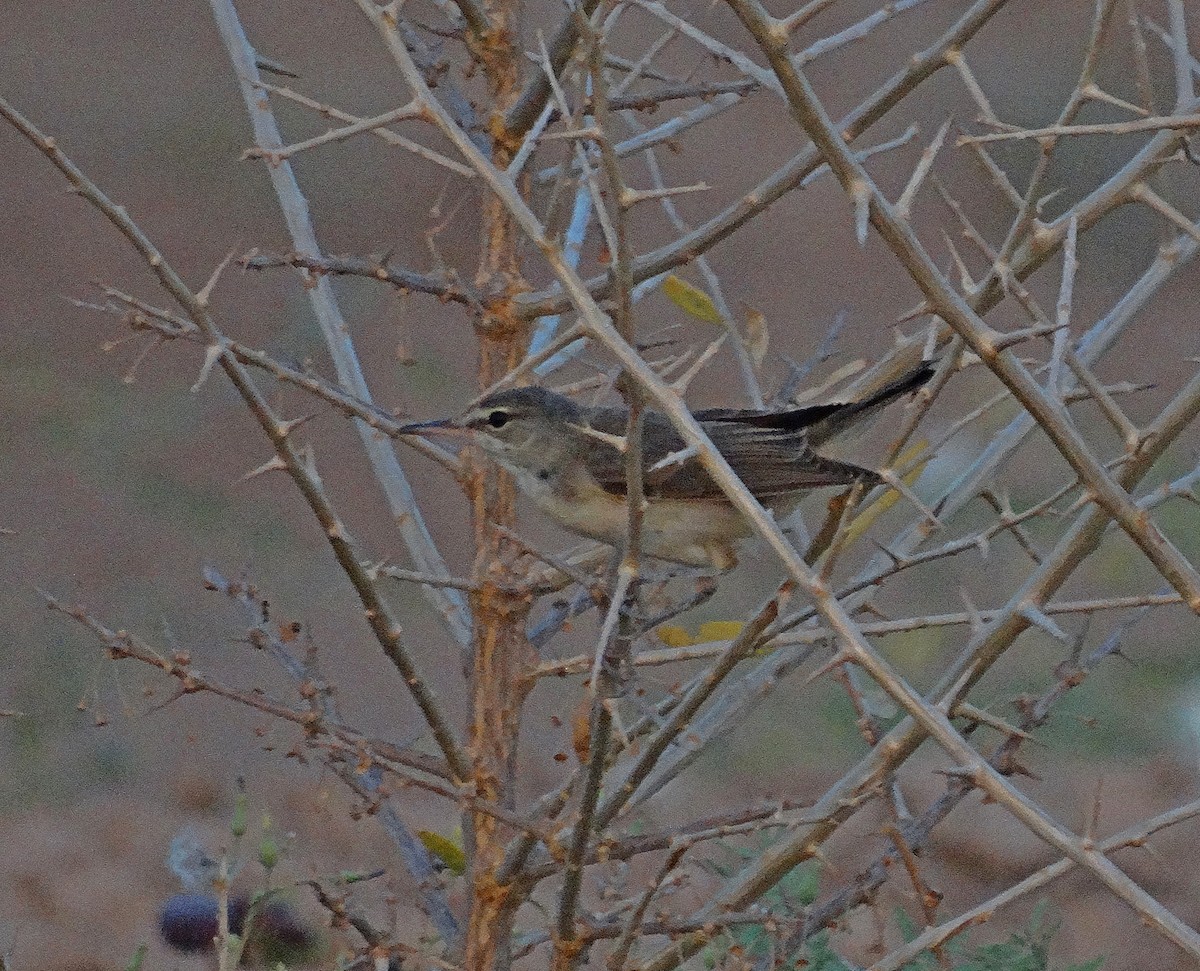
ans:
(691, 300)
(139, 957)
(673, 636)
(719, 630)
(446, 850)
(356, 876)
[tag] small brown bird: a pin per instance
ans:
(567, 458)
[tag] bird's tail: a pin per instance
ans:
(854, 412)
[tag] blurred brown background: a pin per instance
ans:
(119, 492)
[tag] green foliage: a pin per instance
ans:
(820, 956)
(447, 850)
(788, 899)
(237, 825)
(139, 958)
(268, 853)
(1025, 950)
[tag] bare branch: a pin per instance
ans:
(388, 136)
(277, 155)
(1133, 836)
(1185, 89)
(1133, 127)
(405, 280)
(904, 204)
(386, 628)
(450, 606)
(959, 315)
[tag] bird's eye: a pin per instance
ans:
(498, 419)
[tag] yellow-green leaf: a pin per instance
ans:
(719, 630)
(237, 825)
(862, 522)
(673, 636)
(691, 300)
(444, 849)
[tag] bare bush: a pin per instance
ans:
(566, 132)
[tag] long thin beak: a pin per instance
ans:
(442, 426)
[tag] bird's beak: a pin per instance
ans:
(443, 426)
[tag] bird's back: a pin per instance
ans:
(772, 460)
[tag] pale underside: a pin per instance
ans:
(692, 532)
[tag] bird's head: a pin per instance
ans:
(524, 429)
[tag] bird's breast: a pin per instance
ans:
(577, 504)
(689, 531)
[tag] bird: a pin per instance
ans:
(568, 458)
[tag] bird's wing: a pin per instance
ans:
(772, 461)
(772, 452)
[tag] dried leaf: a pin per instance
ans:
(691, 300)
(757, 336)
(862, 522)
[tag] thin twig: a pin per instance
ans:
(1132, 127)
(392, 138)
(933, 937)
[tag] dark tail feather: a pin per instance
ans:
(821, 421)
(855, 411)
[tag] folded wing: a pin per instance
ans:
(773, 462)
(772, 452)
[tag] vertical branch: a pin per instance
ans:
(615, 654)
(1185, 90)
(501, 650)
(1141, 62)
(568, 949)
(1062, 316)
(391, 478)
(616, 640)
